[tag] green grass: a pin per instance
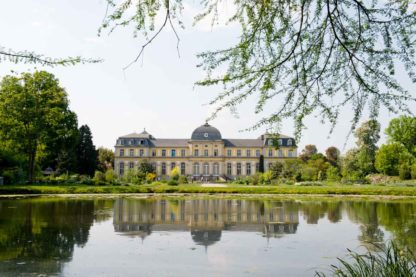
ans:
(232, 189)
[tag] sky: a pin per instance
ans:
(158, 92)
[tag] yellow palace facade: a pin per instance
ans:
(205, 156)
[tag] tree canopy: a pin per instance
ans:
(34, 113)
(403, 130)
(305, 55)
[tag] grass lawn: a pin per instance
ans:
(330, 189)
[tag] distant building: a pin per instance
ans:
(205, 156)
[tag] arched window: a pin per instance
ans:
(216, 169)
(206, 169)
(163, 168)
(289, 142)
(196, 168)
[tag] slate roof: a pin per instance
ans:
(243, 142)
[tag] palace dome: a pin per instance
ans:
(206, 132)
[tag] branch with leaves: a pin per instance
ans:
(303, 57)
(27, 57)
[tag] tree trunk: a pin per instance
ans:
(32, 157)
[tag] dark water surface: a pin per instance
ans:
(193, 237)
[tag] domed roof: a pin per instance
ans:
(206, 132)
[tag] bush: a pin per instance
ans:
(405, 171)
(413, 171)
(389, 158)
(174, 174)
(333, 174)
(150, 177)
(99, 178)
(110, 176)
(182, 179)
(173, 182)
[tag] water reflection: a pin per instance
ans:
(205, 218)
(41, 236)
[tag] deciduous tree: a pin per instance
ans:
(34, 111)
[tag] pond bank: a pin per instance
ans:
(330, 190)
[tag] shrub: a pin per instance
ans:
(413, 171)
(175, 173)
(99, 178)
(333, 174)
(85, 180)
(150, 177)
(404, 171)
(182, 179)
(110, 176)
(173, 182)
(390, 157)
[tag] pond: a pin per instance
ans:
(130, 236)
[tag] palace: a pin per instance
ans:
(205, 156)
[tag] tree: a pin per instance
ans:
(307, 152)
(332, 155)
(33, 112)
(105, 159)
(367, 136)
(312, 55)
(403, 130)
(390, 157)
(146, 167)
(349, 165)
(86, 152)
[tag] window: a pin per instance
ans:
(141, 152)
(215, 152)
(229, 152)
(238, 169)
(229, 169)
(196, 152)
(196, 168)
(206, 152)
(172, 166)
(206, 169)
(163, 153)
(238, 153)
(131, 152)
(183, 153)
(121, 152)
(290, 153)
(183, 169)
(280, 153)
(270, 142)
(131, 165)
(248, 153)
(121, 169)
(270, 152)
(173, 153)
(141, 142)
(248, 169)
(257, 153)
(257, 167)
(153, 153)
(289, 142)
(280, 142)
(163, 168)
(216, 169)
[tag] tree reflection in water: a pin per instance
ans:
(38, 236)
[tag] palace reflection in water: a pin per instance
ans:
(205, 218)
(46, 236)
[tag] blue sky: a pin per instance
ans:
(157, 93)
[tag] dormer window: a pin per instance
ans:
(280, 142)
(270, 142)
(289, 142)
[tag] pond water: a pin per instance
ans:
(130, 236)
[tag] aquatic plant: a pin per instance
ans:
(390, 261)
